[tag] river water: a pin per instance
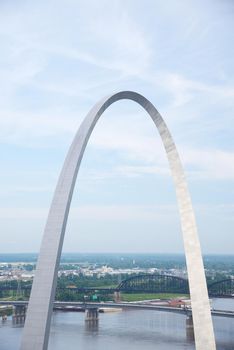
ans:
(126, 330)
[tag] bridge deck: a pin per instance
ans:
(139, 306)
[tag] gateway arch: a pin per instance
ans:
(40, 308)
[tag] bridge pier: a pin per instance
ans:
(4, 318)
(117, 296)
(19, 314)
(92, 315)
(189, 328)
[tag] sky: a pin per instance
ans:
(57, 59)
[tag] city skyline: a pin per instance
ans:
(53, 74)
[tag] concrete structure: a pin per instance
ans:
(117, 296)
(189, 328)
(37, 325)
(76, 305)
(91, 314)
(19, 313)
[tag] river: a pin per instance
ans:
(126, 330)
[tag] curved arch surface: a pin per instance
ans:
(37, 324)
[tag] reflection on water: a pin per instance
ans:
(129, 329)
(126, 330)
(92, 326)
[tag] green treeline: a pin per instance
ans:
(15, 290)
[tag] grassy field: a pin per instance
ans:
(131, 297)
(146, 296)
(12, 298)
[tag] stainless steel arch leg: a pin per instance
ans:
(37, 325)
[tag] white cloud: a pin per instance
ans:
(141, 151)
(57, 60)
(96, 212)
(121, 212)
(135, 171)
(210, 164)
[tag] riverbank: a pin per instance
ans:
(151, 296)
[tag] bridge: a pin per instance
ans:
(142, 283)
(123, 305)
(154, 283)
(92, 309)
(223, 288)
